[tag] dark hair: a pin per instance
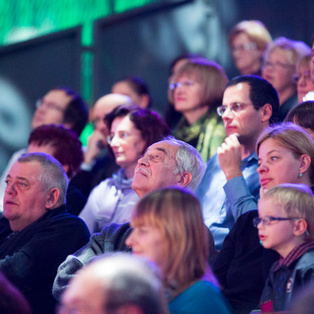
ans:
(76, 112)
(302, 115)
(138, 85)
(261, 93)
(148, 122)
(68, 148)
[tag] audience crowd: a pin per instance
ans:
(207, 210)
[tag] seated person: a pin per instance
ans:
(303, 116)
(37, 232)
(286, 155)
(59, 106)
(303, 77)
(196, 92)
(98, 165)
(248, 41)
(165, 163)
(132, 130)
(280, 65)
(64, 145)
(135, 88)
(285, 224)
(116, 283)
(168, 229)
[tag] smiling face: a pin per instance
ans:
(247, 57)
(279, 235)
(51, 109)
(277, 165)
(25, 198)
(248, 122)
(146, 240)
(155, 168)
(127, 144)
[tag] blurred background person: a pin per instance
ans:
(197, 90)
(135, 88)
(116, 283)
(303, 77)
(303, 115)
(132, 130)
(281, 59)
(98, 165)
(248, 41)
(168, 229)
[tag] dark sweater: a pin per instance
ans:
(30, 258)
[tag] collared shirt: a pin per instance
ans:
(218, 210)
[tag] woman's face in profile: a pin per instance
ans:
(277, 165)
(146, 240)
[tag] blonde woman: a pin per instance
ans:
(169, 230)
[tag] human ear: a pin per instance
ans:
(305, 162)
(185, 179)
(52, 198)
(300, 227)
(266, 111)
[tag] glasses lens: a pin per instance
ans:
(256, 221)
(221, 110)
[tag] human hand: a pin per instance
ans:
(96, 142)
(229, 156)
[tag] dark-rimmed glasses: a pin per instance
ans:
(268, 219)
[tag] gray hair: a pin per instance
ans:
(129, 280)
(52, 174)
(188, 159)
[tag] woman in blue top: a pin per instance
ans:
(168, 229)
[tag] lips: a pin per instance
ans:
(142, 171)
(10, 201)
(265, 181)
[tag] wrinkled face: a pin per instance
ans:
(247, 58)
(247, 122)
(127, 142)
(312, 64)
(278, 235)
(146, 240)
(279, 71)
(187, 96)
(25, 198)
(277, 164)
(52, 109)
(85, 295)
(155, 169)
(304, 84)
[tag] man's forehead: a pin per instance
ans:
(163, 147)
(237, 93)
(25, 170)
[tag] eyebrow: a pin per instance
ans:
(19, 178)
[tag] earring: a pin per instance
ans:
(300, 175)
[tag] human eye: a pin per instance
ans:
(22, 183)
(123, 135)
(7, 181)
(274, 158)
(236, 107)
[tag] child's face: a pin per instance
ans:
(278, 235)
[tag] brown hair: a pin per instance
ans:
(177, 213)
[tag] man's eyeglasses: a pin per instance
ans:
(173, 85)
(268, 219)
(234, 108)
(278, 65)
(306, 76)
(243, 47)
(48, 105)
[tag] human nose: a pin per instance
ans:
(114, 142)
(262, 168)
(129, 239)
(143, 161)
(10, 188)
(228, 113)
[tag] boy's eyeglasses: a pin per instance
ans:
(268, 219)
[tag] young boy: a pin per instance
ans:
(286, 225)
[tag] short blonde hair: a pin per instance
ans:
(293, 49)
(255, 30)
(177, 213)
(297, 200)
(293, 138)
(210, 75)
